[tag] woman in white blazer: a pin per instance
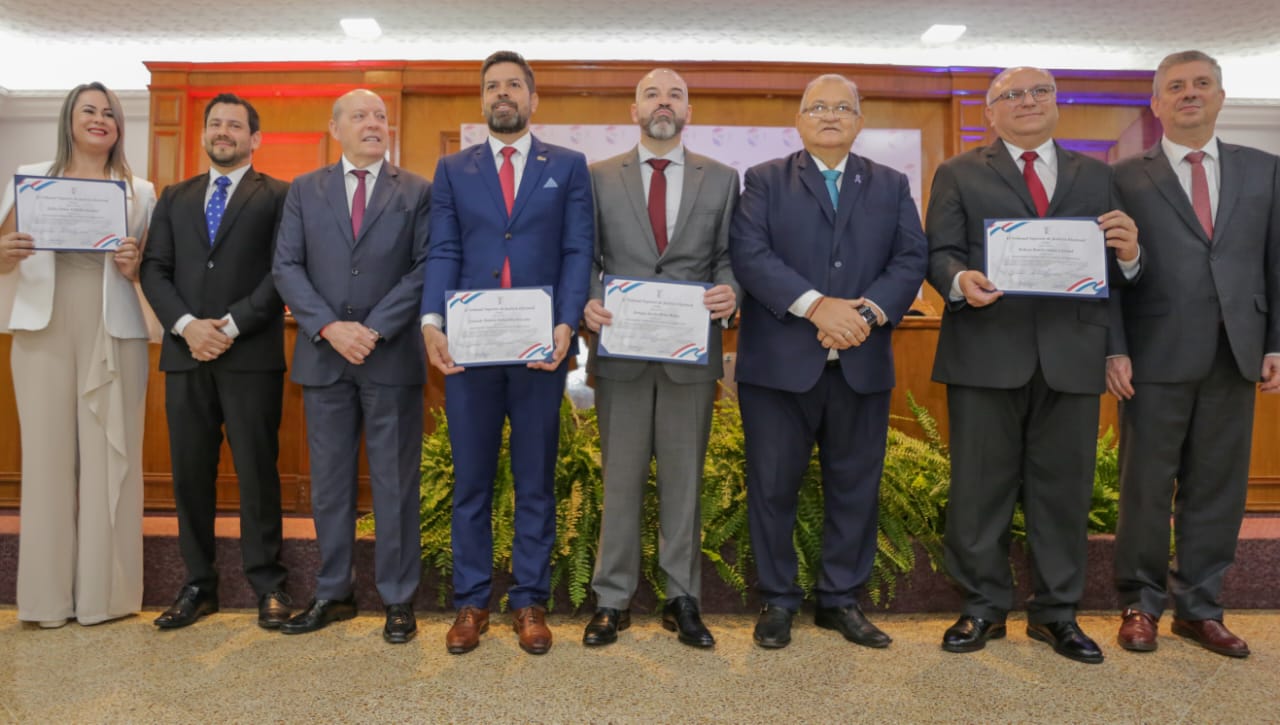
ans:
(79, 359)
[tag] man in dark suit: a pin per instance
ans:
(510, 212)
(1023, 374)
(207, 274)
(653, 410)
(349, 265)
(828, 249)
(1201, 329)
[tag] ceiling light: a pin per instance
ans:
(937, 34)
(368, 28)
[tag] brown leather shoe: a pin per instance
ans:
(464, 635)
(1138, 631)
(1212, 635)
(531, 624)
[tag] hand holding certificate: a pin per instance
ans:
(1066, 257)
(653, 320)
(499, 326)
(82, 215)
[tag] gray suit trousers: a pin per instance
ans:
(1185, 445)
(649, 418)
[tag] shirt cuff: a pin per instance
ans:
(803, 302)
(230, 329)
(182, 323)
(431, 318)
(1130, 269)
(955, 295)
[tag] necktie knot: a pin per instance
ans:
(1195, 158)
(659, 165)
(360, 174)
(832, 176)
(222, 182)
(1030, 156)
(507, 152)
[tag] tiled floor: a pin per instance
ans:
(226, 669)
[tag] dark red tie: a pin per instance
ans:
(357, 202)
(1036, 188)
(658, 202)
(507, 177)
(1200, 192)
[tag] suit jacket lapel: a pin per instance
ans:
(531, 179)
(383, 189)
(1001, 162)
(335, 191)
(487, 170)
(850, 189)
(693, 173)
(248, 186)
(1068, 169)
(816, 184)
(633, 185)
(1230, 182)
(1166, 181)
(193, 198)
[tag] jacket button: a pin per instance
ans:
(209, 265)
(508, 235)
(355, 273)
(838, 264)
(657, 270)
(349, 310)
(497, 273)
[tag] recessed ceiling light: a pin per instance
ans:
(362, 28)
(937, 34)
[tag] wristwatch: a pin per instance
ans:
(869, 315)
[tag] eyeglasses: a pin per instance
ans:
(820, 110)
(1039, 94)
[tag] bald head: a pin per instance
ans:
(661, 109)
(1004, 80)
(346, 100)
(661, 78)
(359, 125)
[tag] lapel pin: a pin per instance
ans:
(857, 178)
(542, 158)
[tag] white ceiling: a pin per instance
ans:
(54, 44)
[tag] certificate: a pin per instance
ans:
(499, 326)
(655, 320)
(1066, 257)
(80, 215)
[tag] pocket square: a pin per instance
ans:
(551, 184)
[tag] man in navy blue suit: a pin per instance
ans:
(510, 212)
(829, 251)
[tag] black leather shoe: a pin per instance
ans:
(401, 625)
(274, 609)
(773, 628)
(320, 613)
(681, 615)
(853, 624)
(604, 626)
(192, 604)
(1067, 640)
(970, 634)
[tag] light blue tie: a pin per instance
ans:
(831, 176)
(216, 206)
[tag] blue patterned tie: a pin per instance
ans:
(831, 175)
(216, 206)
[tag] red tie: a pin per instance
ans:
(357, 202)
(507, 177)
(1036, 188)
(1200, 192)
(658, 202)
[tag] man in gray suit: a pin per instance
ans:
(1023, 373)
(1201, 328)
(663, 213)
(348, 263)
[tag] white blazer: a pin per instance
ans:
(26, 293)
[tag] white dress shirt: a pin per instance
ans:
(374, 169)
(1177, 155)
(675, 181)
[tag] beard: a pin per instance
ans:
(661, 128)
(509, 123)
(225, 155)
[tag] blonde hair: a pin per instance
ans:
(117, 165)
